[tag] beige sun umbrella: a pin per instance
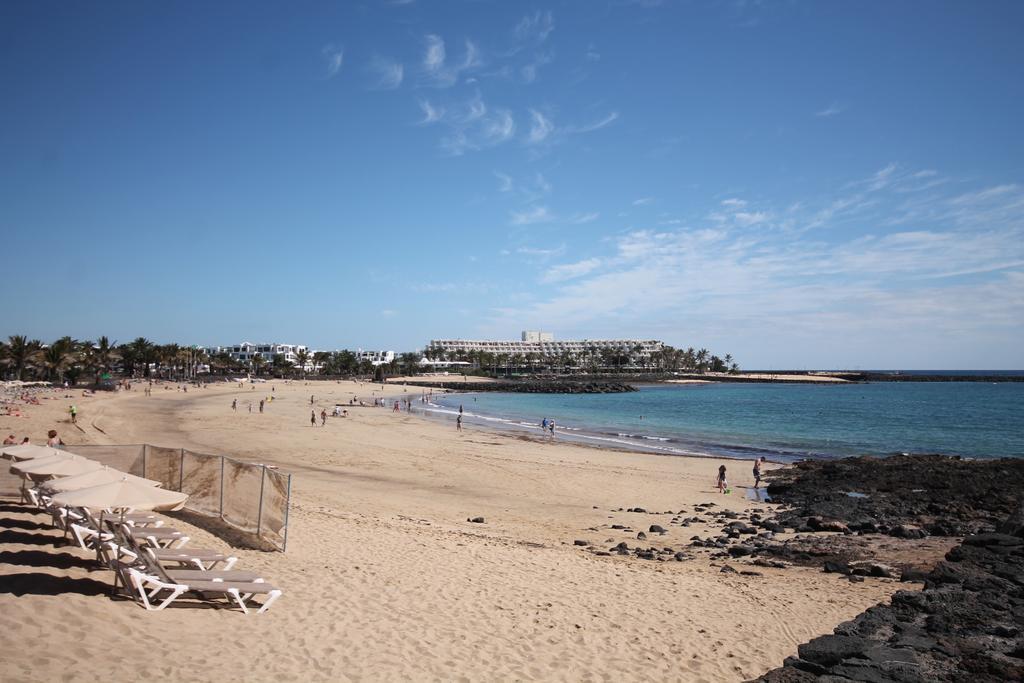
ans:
(106, 475)
(30, 451)
(66, 466)
(122, 495)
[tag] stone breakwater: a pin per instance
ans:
(966, 625)
(532, 387)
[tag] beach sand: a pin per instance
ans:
(384, 578)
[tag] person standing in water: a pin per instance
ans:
(722, 483)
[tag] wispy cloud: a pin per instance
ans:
(582, 218)
(541, 253)
(471, 124)
(596, 125)
(333, 56)
(438, 70)
(569, 271)
(389, 73)
(535, 27)
(534, 214)
(505, 183)
(643, 201)
(540, 127)
(431, 114)
(830, 110)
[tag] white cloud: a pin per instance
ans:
(596, 125)
(504, 182)
(436, 66)
(431, 114)
(569, 271)
(643, 201)
(830, 110)
(433, 58)
(389, 73)
(582, 218)
(534, 214)
(541, 253)
(540, 127)
(734, 203)
(333, 55)
(536, 27)
(748, 218)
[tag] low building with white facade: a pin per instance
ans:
(375, 357)
(245, 351)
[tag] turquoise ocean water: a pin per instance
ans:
(782, 422)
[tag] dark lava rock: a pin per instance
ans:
(837, 568)
(475, 520)
(641, 535)
(964, 626)
(726, 569)
(580, 542)
(740, 550)
(908, 496)
(656, 529)
(618, 526)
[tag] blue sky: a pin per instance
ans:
(799, 184)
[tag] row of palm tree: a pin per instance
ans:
(593, 359)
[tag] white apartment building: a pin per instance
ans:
(245, 351)
(375, 357)
(543, 343)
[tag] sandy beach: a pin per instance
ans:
(385, 578)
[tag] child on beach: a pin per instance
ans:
(54, 440)
(723, 483)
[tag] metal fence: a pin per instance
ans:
(249, 497)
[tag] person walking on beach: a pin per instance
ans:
(312, 418)
(323, 417)
(261, 405)
(722, 483)
(551, 428)
(757, 471)
(310, 399)
(74, 415)
(458, 423)
(234, 404)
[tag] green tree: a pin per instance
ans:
(21, 353)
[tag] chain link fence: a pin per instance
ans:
(248, 497)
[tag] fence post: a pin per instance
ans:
(145, 447)
(222, 487)
(259, 512)
(181, 471)
(287, 507)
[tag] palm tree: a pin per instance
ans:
(257, 362)
(301, 360)
(702, 359)
(281, 365)
(20, 353)
(56, 358)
